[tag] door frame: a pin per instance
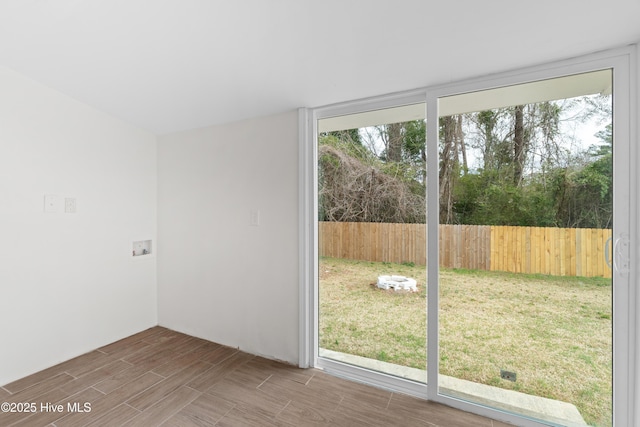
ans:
(623, 62)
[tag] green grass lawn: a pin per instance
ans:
(554, 332)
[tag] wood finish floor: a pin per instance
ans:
(164, 378)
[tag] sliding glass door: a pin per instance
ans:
(532, 199)
(479, 256)
(372, 240)
(529, 275)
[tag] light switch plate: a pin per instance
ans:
(254, 217)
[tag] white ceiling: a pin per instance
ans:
(171, 65)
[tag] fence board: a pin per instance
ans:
(546, 250)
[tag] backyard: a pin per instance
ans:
(554, 332)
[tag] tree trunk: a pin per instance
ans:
(446, 169)
(394, 148)
(518, 145)
(487, 122)
(462, 146)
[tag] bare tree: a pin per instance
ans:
(451, 145)
(394, 141)
(518, 144)
(354, 190)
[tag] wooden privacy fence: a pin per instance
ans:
(545, 250)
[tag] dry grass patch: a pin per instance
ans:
(554, 332)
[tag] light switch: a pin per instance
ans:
(254, 217)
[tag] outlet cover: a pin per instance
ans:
(69, 205)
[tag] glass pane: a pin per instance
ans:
(372, 241)
(525, 289)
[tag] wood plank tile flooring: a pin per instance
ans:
(161, 377)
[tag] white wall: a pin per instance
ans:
(220, 278)
(67, 281)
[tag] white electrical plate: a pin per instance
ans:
(54, 203)
(254, 217)
(51, 203)
(69, 205)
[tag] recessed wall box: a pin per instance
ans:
(141, 248)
